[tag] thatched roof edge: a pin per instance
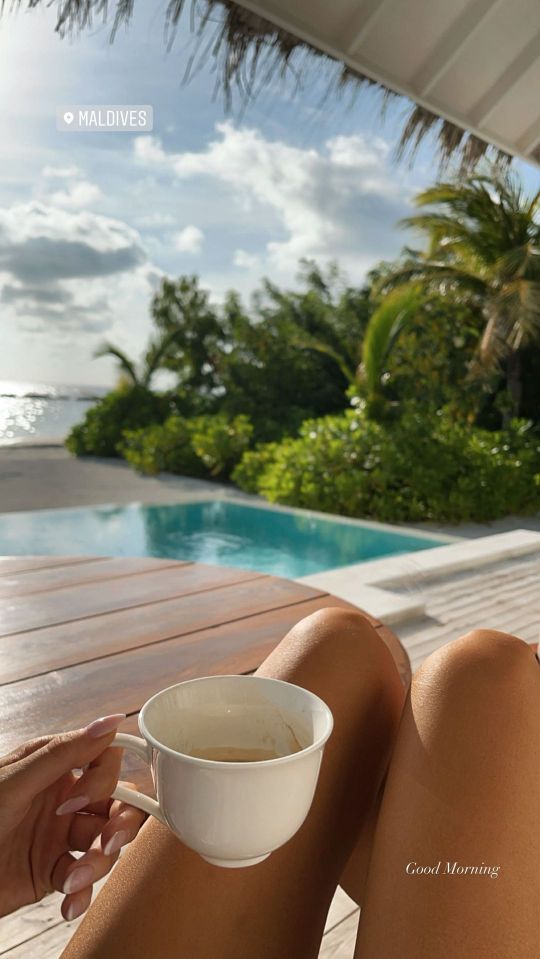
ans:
(247, 50)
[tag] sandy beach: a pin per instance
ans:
(48, 477)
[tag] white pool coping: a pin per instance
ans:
(239, 498)
(368, 585)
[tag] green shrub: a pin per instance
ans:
(220, 441)
(163, 448)
(203, 446)
(418, 467)
(248, 472)
(101, 430)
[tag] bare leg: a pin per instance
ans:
(463, 787)
(163, 901)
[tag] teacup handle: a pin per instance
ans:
(133, 796)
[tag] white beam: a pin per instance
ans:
(331, 45)
(483, 109)
(361, 23)
(450, 46)
(528, 143)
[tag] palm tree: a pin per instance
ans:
(384, 327)
(153, 359)
(484, 249)
(329, 317)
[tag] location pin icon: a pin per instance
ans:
(68, 117)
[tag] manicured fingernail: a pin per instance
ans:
(115, 843)
(72, 805)
(81, 877)
(104, 725)
(74, 910)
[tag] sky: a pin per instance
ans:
(90, 222)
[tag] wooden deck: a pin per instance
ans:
(83, 637)
(503, 596)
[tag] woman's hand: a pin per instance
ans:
(46, 813)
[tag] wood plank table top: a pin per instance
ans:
(82, 637)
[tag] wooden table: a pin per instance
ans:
(81, 637)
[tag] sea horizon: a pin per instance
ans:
(44, 389)
(33, 411)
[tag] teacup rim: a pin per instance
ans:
(313, 747)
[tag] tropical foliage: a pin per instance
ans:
(154, 359)
(422, 467)
(413, 397)
(101, 431)
(202, 446)
(483, 249)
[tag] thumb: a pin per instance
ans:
(60, 754)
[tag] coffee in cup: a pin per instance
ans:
(235, 762)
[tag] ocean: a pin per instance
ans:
(41, 412)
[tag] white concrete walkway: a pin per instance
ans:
(393, 588)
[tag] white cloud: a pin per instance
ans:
(156, 219)
(149, 150)
(62, 172)
(354, 151)
(64, 273)
(189, 240)
(25, 223)
(340, 201)
(245, 260)
(77, 196)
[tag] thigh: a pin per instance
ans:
(164, 901)
(454, 868)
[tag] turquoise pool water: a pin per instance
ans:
(285, 544)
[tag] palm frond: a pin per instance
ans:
(493, 345)
(534, 205)
(305, 341)
(383, 329)
(156, 353)
(435, 274)
(108, 349)
(518, 305)
(513, 263)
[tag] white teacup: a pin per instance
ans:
(233, 813)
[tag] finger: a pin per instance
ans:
(60, 754)
(110, 807)
(61, 869)
(72, 875)
(121, 829)
(95, 785)
(73, 906)
(100, 808)
(84, 829)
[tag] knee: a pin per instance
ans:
(346, 633)
(336, 621)
(344, 647)
(339, 655)
(483, 660)
(495, 648)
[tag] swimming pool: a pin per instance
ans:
(285, 543)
